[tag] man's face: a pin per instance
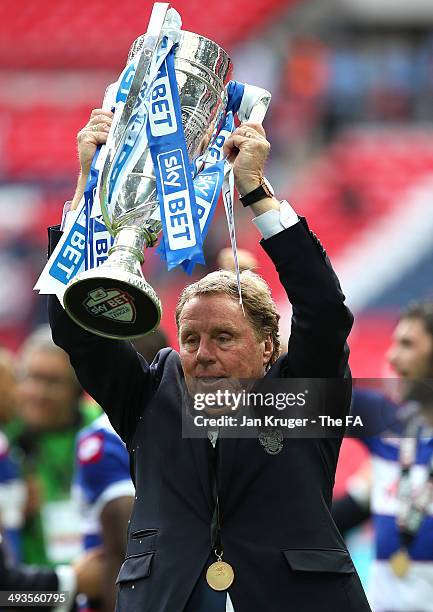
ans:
(217, 341)
(47, 391)
(411, 352)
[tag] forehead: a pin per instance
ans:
(6, 370)
(210, 311)
(45, 358)
(411, 330)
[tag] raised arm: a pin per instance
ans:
(321, 322)
(110, 371)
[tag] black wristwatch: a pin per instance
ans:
(264, 190)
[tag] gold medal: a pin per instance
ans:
(400, 563)
(220, 575)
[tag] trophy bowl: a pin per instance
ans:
(114, 300)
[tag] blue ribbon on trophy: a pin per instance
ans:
(134, 138)
(99, 240)
(182, 241)
(86, 241)
(212, 168)
(92, 226)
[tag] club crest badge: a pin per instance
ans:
(272, 441)
(112, 304)
(90, 449)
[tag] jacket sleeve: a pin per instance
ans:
(22, 578)
(111, 371)
(321, 322)
(348, 513)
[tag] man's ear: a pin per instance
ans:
(268, 349)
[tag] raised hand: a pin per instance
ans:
(94, 133)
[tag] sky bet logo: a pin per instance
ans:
(162, 117)
(70, 259)
(205, 186)
(177, 206)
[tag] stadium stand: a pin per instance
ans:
(50, 31)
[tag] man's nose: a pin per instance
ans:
(205, 354)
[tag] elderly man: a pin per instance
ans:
(266, 515)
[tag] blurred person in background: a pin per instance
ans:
(398, 489)
(105, 493)
(83, 576)
(104, 489)
(12, 497)
(305, 79)
(51, 416)
(148, 346)
(246, 259)
(12, 486)
(8, 392)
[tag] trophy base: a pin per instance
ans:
(113, 303)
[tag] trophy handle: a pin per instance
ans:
(156, 22)
(256, 112)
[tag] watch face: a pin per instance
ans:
(268, 187)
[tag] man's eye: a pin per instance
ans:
(190, 340)
(224, 338)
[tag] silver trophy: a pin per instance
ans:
(114, 300)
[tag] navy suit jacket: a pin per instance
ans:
(276, 526)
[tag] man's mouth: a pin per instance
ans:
(210, 383)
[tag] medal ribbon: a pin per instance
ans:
(412, 509)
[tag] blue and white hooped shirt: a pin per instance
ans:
(12, 498)
(413, 592)
(101, 475)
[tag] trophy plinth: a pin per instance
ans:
(114, 300)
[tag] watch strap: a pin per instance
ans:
(259, 193)
(264, 190)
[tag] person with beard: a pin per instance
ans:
(398, 490)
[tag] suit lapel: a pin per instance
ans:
(199, 448)
(227, 457)
(227, 453)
